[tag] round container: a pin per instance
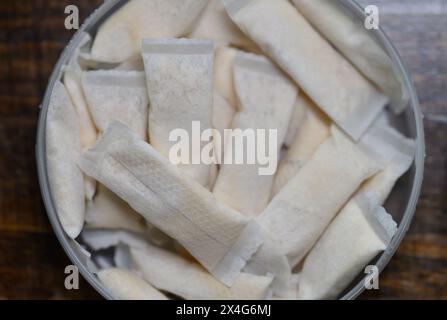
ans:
(401, 203)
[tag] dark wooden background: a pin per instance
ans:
(32, 35)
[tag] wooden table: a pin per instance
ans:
(32, 35)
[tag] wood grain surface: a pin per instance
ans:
(32, 35)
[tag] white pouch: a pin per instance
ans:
(88, 133)
(180, 85)
(394, 150)
(223, 115)
(63, 147)
(370, 228)
(224, 74)
(119, 37)
(297, 119)
(72, 80)
(220, 239)
(314, 130)
(169, 272)
(214, 24)
(331, 81)
(300, 212)
(117, 95)
(125, 285)
(267, 98)
(108, 211)
(360, 231)
(356, 43)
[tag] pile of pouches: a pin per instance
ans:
(223, 231)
